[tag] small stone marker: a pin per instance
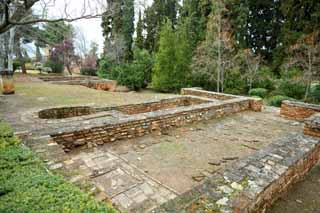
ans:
(214, 162)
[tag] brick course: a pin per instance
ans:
(298, 110)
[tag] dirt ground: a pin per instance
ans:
(303, 197)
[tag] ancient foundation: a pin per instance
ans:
(298, 110)
(90, 82)
(136, 120)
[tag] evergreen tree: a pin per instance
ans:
(139, 43)
(128, 27)
(197, 13)
(163, 78)
(159, 11)
(118, 29)
(172, 66)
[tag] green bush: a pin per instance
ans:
(134, 75)
(7, 137)
(292, 89)
(56, 67)
(260, 92)
(277, 100)
(26, 186)
(88, 71)
(265, 79)
(315, 92)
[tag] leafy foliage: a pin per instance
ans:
(260, 92)
(277, 100)
(134, 75)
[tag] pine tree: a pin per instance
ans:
(139, 42)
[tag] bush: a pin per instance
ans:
(277, 100)
(56, 67)
(292, 89)
(88, 71)
(315, 92)
(7, 137)
(104, 68)
(135, 75)
(260, 92)
(265, 79)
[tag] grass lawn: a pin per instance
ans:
(27, 186)
(32, 93)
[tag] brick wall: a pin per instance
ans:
(207, 94)
(142, 124)
(252, 184)
(298, 110)
(160, 105)
(65, 112)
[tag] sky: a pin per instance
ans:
(91, 28)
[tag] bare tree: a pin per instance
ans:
(13, 12)
(305, 54)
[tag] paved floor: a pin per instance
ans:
(140, 174)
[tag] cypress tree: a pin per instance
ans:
(163, 78)
(139, 42)
(118, 29)
(156, 14)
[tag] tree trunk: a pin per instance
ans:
(219, 49)
(11, 48)
(21, 58)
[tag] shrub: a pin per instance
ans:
(265, 78)
(277, 100)
(104, 68)
(7, 137)
(292, 89)
(88, 71)
(134, 75)
(56, 67)
(315, 92)
(260, 92)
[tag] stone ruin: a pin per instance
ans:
(251, 184)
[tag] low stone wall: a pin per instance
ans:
(160, 105)
(254, 183)
(298, 110)
(256, 104)
(207, 94)
(87, 81)
(312, 126)
(141, 124)
(65, 112)
(67, 78)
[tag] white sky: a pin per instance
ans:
(91, 28)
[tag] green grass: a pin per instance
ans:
(39, 94)
(26, 185)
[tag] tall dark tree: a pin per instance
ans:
(197, 12)
(118, 29)
(139, 42)
(257, 24)
(155, 16)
